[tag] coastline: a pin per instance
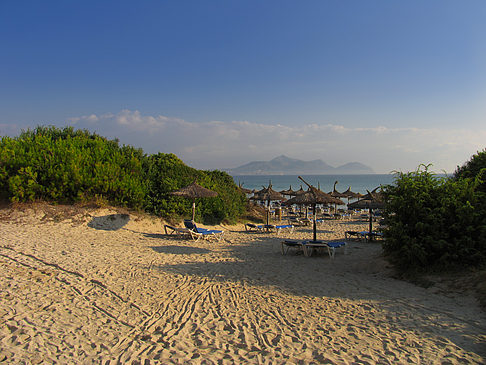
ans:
(93, 285)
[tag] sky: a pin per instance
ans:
(391, 84)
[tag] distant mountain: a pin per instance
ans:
(283, 165)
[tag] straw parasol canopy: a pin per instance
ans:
(313, 196)
(244, 190)
(336, 193)
(299, 192)
(288, 192)
(194, 191)
(372, 200)
(296, 193)
(268, 194)
(351, 195)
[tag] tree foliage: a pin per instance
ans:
(168, 173)
(475, 168)
(67, 165)
(434, 222)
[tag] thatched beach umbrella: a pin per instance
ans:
(288, 192)
(194, 191)
(351, 194)
(299, 192)
(336, 194)
(372, 200)
(313, 196)
(266, 195)
(244, 190)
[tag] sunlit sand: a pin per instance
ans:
(96, 286)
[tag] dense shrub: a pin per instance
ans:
(434, 222)
(67, 165)
(167, 173)
(475, 168)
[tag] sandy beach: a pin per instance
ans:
(97, 286)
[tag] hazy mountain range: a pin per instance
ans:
(284, 165)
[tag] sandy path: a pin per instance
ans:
(113, 288)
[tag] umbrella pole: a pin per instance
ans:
(193, 209)
(315, 224)
(371, 223)
(268, 213)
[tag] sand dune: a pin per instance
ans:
(99, 286)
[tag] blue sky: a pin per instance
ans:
(220, 83)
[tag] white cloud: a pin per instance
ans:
(219, 144)
(85, 118)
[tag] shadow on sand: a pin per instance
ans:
(361, 274)
(111, 222)
(180, 250)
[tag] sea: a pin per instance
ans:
(358, 183)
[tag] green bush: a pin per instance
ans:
(475, 168)
(67, 165)
(434, 222)
(167, 173)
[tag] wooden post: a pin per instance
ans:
(371, 224)
(315, 224)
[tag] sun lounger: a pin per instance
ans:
(310, 246)
(197, 232)
(171, 230)
(295, 221)
(288, 227)
(250, 227)
(354, 234)
(363, 235)
(286, 245)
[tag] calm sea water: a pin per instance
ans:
(358, 183)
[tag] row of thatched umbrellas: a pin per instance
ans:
(348, 194)
(312, 196)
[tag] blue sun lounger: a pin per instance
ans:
(197, 232)
(287, 245)
(250, 227)
(310, 246)
(171, 230)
